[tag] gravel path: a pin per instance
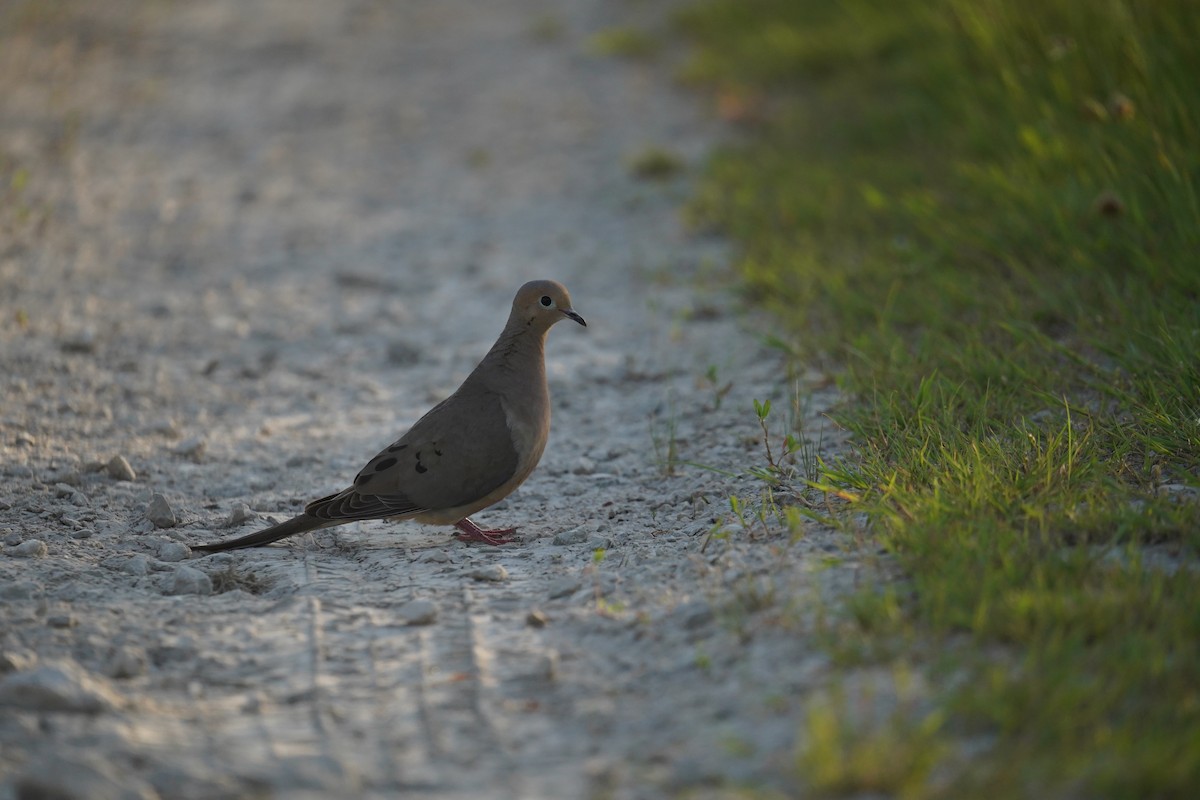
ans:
(246, 244)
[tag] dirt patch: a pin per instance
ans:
(245, 245)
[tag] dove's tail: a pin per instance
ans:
(295, 525)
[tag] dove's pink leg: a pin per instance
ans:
(470, 532)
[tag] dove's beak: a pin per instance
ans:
(572, 315)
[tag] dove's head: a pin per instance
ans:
(540, 304)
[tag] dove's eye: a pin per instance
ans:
(546, 301)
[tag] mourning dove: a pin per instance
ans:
(468, 452)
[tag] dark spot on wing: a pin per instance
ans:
(386, 463)
(421, 468)
(361, 479)
(396, 448)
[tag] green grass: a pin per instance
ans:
(629, 43)
(655, 163)
(986, 215)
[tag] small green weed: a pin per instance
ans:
(624, 42)
(655, 163)
(665, 440)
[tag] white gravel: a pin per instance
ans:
(258, 240)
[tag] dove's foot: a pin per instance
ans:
(470, 532)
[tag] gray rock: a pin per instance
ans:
(492, 572)
(160, 513)
(16, 660)
(68, 476)
(80, 776)
(58, 686)
(189, 580)
(544, 666)
(134, 565)
(572, 536)
(418, 612)
(31, 548)
(174, 551)
(61, 621)
(193, 448)
(126, 662)
(563, 587)
(403, 354)
(19, 590)
(82, 341)
(695, 615)
(119, 468)
(164, 427)
(238, 514)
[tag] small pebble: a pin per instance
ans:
(573, 536)
(68, 475)
(403, 354)
(189, 580)
(63, 686)
(64, 774)
(191, 448)
(126, 662)
(119, 469)
(61, 621)
(16, 660)
(536, 618)
(33, 548)
(435, 557)
(694, 615)
(134, 565)
(239, 514)
(83, 341)
(160, 513)
(174, 551)
(254, 703)
(83, 533)
(165, 427)
(563, 587)
(544, 667)
(19, 590)
(418, 612)
(492, 572)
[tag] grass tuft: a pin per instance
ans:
(630, 43)
(987, 214)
